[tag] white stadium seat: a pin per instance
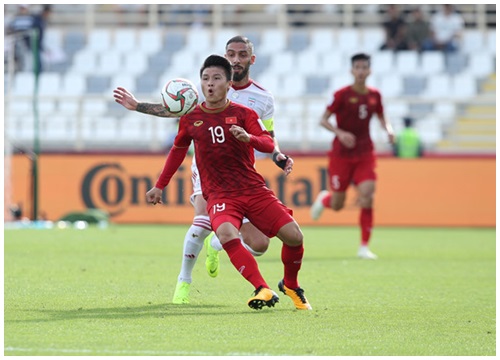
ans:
(491, 41)
(332, 63)
(481, 64)
(282, 63)
(110, 63)
(149, 41)
(24, 84)
(382, 62)
(429, 129)
(390, 85)
(49, 83)
(406, 62)
(438, 86)
(431, 62)
(322, 40)
(73, 84)
(135, 63)
(58, 128)
(124, 40)
(463, 86)
(272, 42)
(348, 40)
(372, 39)
(307, 63)
(94, 107)
(99, 40)
(294, 85)
(84, 62)
(472, 41)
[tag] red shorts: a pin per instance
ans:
(344, 171)
(264, 210)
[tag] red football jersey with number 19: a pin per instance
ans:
(353, 112)
(225, 164)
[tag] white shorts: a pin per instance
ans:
(195, 178)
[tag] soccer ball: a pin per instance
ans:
(179, 96)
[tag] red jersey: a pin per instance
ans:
(353, 112)
(225, 164)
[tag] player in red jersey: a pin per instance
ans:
(352, 157)
(240, 53)
(225, 135)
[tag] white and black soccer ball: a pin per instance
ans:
(179, 96)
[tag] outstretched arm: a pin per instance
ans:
(127, 100)
(174, 160)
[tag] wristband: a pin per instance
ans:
(280, 163)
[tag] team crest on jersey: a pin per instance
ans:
(353, 100)
(198, 123)
(251, 102)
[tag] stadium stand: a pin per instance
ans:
(451, 96)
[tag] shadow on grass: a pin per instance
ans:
(159, 311)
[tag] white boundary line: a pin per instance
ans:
(127, 352)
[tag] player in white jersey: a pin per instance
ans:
(240, 53)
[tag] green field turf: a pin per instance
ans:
(108, 292)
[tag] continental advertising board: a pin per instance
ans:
(420, 192)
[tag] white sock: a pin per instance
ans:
(193, 243)
(215, 242)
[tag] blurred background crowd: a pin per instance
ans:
(434, 64)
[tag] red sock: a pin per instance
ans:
(326, 200)
(366, 224)
(291, 256)
(244, 262)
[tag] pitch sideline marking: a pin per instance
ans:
(129, 352)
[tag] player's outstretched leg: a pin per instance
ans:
(297, 296)
(263, 297)
(318, 205)
(212, 260)
(193, 243)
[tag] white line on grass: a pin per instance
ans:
(127, 352)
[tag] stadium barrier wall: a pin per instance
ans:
(416, 192)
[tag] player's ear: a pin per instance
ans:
(252, 59)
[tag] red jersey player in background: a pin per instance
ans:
(225, 134)
(352, 157)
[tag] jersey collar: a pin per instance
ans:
(250, 82)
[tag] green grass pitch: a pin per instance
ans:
(108, 292)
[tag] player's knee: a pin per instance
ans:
(295, 237)
(337, 206)
(260, 246)
(366, 201)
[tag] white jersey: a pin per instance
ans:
(255, 97)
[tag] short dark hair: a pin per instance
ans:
(218, 61)
(360, 56)
(408, 121)
(241, 39)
